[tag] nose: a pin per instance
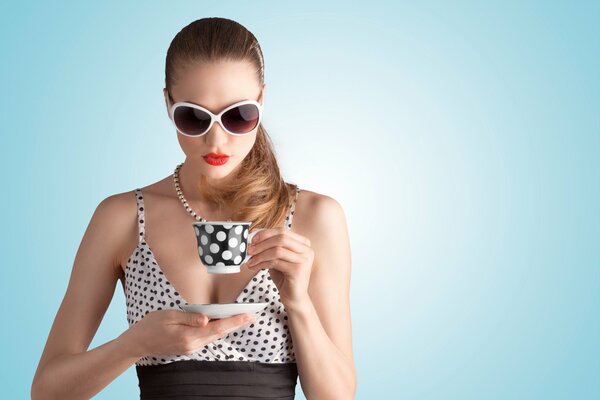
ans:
(216, 135)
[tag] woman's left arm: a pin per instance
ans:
(312, 274)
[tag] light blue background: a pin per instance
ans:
(461, 138)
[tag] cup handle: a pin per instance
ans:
(250, 236)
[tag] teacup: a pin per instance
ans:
(223, 245)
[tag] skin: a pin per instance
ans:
(310, 264)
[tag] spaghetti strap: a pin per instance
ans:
(290, 216)
(139, 198)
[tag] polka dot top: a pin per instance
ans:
(147, 289)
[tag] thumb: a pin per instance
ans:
(195, 319)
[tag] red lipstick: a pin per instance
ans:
(216, 158)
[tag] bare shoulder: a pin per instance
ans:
(321, 219)
(116, 217)
(117, 205)
(315, 211)
(117, 211)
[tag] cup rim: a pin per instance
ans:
(221, 222)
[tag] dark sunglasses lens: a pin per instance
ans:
(241, 119)
(190, 120)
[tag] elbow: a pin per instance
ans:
(40, 390)
(351, 393)
(36, 391)
(352, 388)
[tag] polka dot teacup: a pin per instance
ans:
(222, 245)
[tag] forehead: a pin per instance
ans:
(216, 85)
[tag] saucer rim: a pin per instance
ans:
(225, 304)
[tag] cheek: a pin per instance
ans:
(190, 146)
(245, 145)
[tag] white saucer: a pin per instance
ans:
(216, 311)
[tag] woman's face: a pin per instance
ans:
(215, 86)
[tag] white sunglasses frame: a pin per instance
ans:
(215, 117)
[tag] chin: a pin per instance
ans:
(217, 172)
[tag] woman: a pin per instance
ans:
(143, 238)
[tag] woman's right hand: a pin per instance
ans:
(164, 332)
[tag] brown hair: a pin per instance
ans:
(257, 191)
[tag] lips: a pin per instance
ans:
(216, 155)
(216, 158)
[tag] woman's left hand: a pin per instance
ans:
(289, 257)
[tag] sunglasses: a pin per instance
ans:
(237, 119)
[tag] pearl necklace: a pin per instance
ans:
(182, 197)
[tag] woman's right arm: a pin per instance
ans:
(66, 369)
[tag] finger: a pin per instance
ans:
(192, 319)
(253, 233)
(222, 327)
(285, 267)
(274, 255)
(283, 240)
(268, 233)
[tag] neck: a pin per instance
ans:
(189, 178)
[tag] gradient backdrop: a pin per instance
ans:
(461, 138)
